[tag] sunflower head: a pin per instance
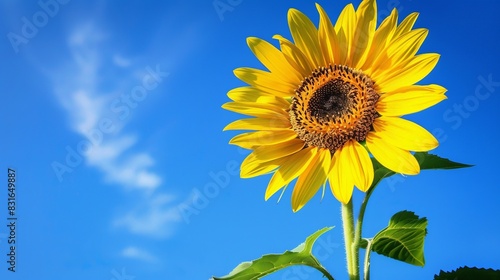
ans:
(332, 99)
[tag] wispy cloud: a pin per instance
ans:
(157, 216)
(131, 172)
(136, 253)
(86, 94)
(91, 86)
(121, 61)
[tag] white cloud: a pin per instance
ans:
(79, 88)
(138, 254)
(86, 111)
(97, 74)
(121, 61)
(156, 216)
(132, 172)
(110, 150)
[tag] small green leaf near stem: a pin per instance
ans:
(267, 264)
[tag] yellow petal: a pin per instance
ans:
(305, 36)
(270, 152)
(403, 49)
(407, 45)
(340, 185)
(418, 89)
(401, 46)
(406, 25)
(410, 99)
(295, 56)
(259, 124)
(265, 159)
(255, 109)
(246, 94)
(250, 140)
(415, 70)
(400, 51)
(404, 134)
(275, 101)
(380, 39)
(250, 167)
(274, 60)
(265, 81)
(366, 16)
(327, 37)
(353, 166)
(345, 27)
(289, 170)
(311, 180)
(390, 156)
(356, 161)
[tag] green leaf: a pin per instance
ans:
(267, 264)
(403, 239)
(425, 160)
(430, 161)
(469, 273)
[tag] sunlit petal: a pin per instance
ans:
(404, 134)
(392, 157)
(311, 180)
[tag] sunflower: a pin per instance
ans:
(332, 99)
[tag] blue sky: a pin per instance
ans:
(111, 117)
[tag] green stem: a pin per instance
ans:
(352, 253)
(358, 231)
(361, 216)
(366, 270)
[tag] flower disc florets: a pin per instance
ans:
(332, 106)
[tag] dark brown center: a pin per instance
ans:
(332, 106)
